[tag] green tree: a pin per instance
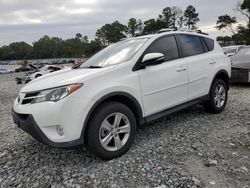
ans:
(170, 16)
(166, 18)
(74, 47)
(176, 16)
(15, 51)
(244, 9)
(152, 26)
(180, 22)
(134, 27)
(47, 47)
(78, 36)
(93, 47)
(111, 33)
(226, 22)
(191, 17)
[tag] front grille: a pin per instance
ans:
(29, 97)
(31, 94)
(27, 101)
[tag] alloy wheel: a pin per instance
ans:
(114, 131)
(219, 96)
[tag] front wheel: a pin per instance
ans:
(111, 130)
(217, 97)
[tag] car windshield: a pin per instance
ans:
(230, 50)
(115, 54)
(244, 51)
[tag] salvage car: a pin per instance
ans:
(4, 71)
(232, 50)
(123, 87)
(23, 69)
(43, 71)
(241, 66)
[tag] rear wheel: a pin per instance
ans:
(111, 130)
(217, 97)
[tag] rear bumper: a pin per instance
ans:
(240, 75)
(27, 123)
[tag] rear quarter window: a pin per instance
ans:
(209, 42)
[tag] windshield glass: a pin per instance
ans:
(115, 54)
(230, 50)
(244, 51)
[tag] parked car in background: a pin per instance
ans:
(241, 66)
(62, 61)
(71, 61)
(23, 69)
(43, 71)
(232, 50)
(124, 87)
(5, 71)
(77, 63)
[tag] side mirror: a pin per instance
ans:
(153, 59)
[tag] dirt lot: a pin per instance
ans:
(188, 149)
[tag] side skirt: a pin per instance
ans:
(174, 109)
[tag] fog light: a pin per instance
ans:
(59, 130)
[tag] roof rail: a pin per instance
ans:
(176, 29)
(168, 30)
(200, 32)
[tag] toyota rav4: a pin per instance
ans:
(124, 87)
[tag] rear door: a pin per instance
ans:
(199, 64)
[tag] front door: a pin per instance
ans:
(164, 85)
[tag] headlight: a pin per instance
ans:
(56, 94)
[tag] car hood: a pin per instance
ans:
(34, 67)
(60, 78)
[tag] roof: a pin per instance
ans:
(171, 31)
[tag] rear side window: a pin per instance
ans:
(190, 45)
(166, 46)
(209, 43)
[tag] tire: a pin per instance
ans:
(217, 97)
(98, 132)
(38, 75)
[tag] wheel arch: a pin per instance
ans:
(222, 74)
(121, 97)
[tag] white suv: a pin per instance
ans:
(122, 88)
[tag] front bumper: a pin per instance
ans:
(27, 123)
(69, 113)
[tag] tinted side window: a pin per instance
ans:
(167, 46)
(204, 45)
(210, 43)
(190, 45)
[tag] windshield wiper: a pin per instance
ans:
(93, 67)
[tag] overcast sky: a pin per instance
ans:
(28, 20)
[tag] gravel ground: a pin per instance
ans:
(188, 149)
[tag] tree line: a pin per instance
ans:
(242, 33)
(54, 47)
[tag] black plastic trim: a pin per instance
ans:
(104, 98)
(169, 111)
(217, 74)
(29, 125)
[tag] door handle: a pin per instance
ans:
(212, 62)
(181, 69)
